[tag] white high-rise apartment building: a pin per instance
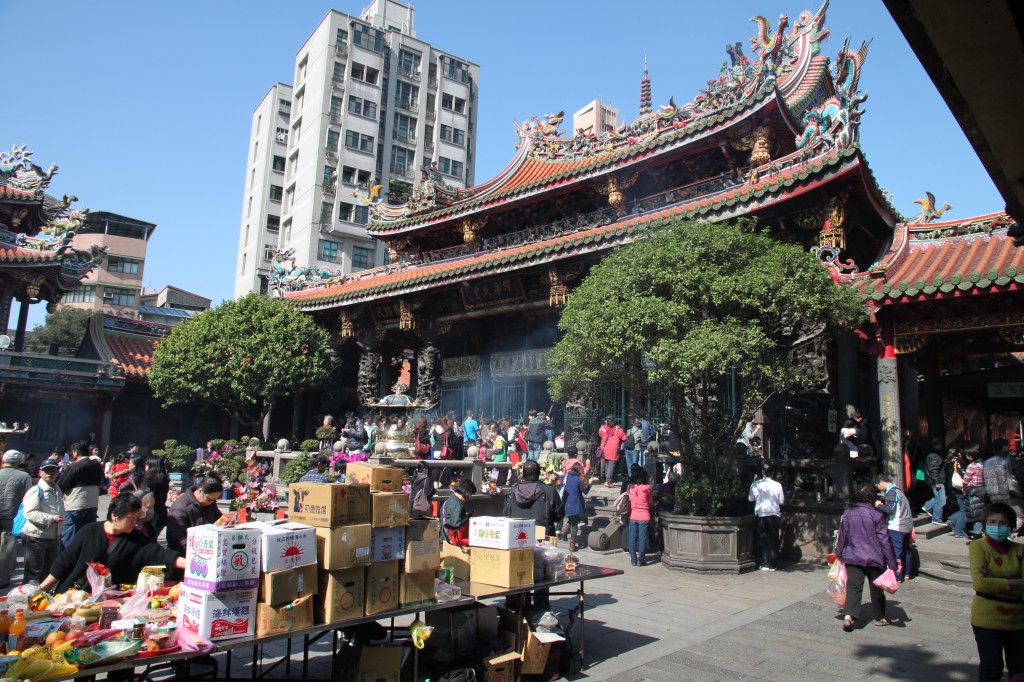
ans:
(370, 105)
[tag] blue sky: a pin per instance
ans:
(146, 106)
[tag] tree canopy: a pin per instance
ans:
(683, 307)
(65, 327)
(239, 357)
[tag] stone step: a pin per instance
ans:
(922, 519)
(932, 530)
(944, 576)
(958, 567)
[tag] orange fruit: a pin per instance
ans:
(55, 637)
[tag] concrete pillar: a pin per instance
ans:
(106, 414)
(19, 334)
(889, 422)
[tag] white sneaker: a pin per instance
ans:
(763, 568)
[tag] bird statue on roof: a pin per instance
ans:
(928, 211)
(373, 198)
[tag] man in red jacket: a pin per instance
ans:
(611, 437)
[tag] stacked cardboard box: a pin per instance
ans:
(288, 576)
(340, 515)
(222, 572)
(501, 551)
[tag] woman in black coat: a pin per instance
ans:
(116, 544)
(197, 507)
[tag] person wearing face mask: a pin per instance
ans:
(115, 543)
(997, 612)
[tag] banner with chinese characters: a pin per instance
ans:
(520, 363)
(492, 292)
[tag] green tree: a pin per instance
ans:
(688, 306)
(65, 327)
(239, 357)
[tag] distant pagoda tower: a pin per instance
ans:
(645, 91)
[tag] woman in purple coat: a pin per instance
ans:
(866, 551)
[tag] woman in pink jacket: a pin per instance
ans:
(641, 502)
(612, 437)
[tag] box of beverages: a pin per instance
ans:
(500, 532)
(222, 558)
(217, 615)
(327, 505)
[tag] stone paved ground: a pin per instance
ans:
(661, 625)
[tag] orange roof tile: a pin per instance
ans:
(127, 343)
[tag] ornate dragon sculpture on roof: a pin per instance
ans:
(287, 277)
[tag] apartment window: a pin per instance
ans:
(252, 178)
(407, 95)
(119, 297)
(245, 258)
(268, 252)
(273, 223)
(277, 164)
(287, 231)
(80, 295)
(328, 251)
(246, 242)
(127, 266)
(428, 134)
(348, 175)
(431, 101)
(276, 192)
(454, 69)
(335, 109)
(297, 130)
(290, 198)
(342, 37)
(408, 62)
(367, 37)
(453, 103)
(339, 71)
(453, 135)
(329, 175)
(402, 160)
(361, 215)
(248, 208)
(345, 212)
(326, 209)
(360, 258)
(302, 68)
(450, 167)
(405, 128)
(432, 71)
(333, 137)
(358, 141)
(281, 135)
(259, 123)
(362, 107)
(365, 74)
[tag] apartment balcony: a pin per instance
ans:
(433, 83)
(402, 172)
(338, 84)
(408, 105)
(326, 227)
(407, 139)
(331, 156)
(411, 74)
(330, 188)
(341, 50)
(428, 146)
(334, 119)
(431, 115)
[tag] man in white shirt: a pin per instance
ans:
(766, 494)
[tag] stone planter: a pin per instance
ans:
(708, 544)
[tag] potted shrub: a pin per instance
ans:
(717, 317)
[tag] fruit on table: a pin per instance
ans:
(55, 637)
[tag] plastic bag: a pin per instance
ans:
(136, 605)
(836, 589)
(99, 580)
(445, 592)
(887, 581)
(833, 571)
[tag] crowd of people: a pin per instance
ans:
(54, 516)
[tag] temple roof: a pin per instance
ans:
(945, 260)
(787, 69)
(402, 278)
(127, 343)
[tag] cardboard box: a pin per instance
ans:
(382, 587)
(423, 546)
(415, 589)
(281, 587)
(271, 620)
(500, 532)
(457, 630)
(217, 615)
(343, 595)
(381, 664)
(387, 544)
(220, 559)
(389, 510)
(457, 559)
(501, 668)
(327, 505)
(502, 567)
(344, 547)
(536, 646)
(285, 544)
(381, 479)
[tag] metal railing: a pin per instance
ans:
(408, 104)
(411, 74)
